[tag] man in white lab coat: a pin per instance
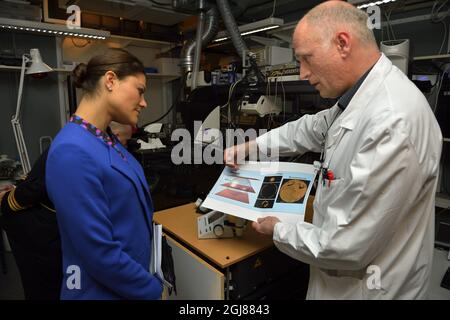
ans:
(372, 234)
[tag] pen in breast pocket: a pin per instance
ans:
(330, 177)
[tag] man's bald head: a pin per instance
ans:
(330, 17)
(334, 47)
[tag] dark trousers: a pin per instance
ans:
(34, 238)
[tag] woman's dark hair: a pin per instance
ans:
(120, 61)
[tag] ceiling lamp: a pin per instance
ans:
(254, 27)
(362, 4)
(51, 29)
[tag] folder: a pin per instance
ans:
(157, 258)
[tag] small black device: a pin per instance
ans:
(445, 283)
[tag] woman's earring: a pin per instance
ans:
(109, 88)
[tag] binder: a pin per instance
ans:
(161, 263)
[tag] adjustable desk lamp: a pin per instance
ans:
(37, 66)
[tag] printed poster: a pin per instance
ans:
(259, 189)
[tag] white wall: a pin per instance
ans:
(157, 104)
(40, 109)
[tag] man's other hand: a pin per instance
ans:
(265, 225)
(236, 155)
(4, 189)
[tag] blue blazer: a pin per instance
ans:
(104, 213)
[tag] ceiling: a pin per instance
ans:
(140, 10)
(289, 10)
(149, 11)
(163, 14)
(160, 12)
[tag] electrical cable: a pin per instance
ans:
(435, 12)
(389, 26)
(275, 101)
(165, 114)
(230, 92)
(445, 37)
(439, 87)
(228, 104)
(436, 92)
(273, 10)
(435, 18)
(284, 101)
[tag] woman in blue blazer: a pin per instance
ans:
(99, 190)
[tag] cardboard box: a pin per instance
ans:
(168, 66)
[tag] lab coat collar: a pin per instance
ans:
(365, 92)
(347, 97)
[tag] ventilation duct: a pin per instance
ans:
(232, 28)
(211, 29)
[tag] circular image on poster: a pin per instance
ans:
(292, 190)
(264, 204)
(268, 191)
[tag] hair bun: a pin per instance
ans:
(79, 75)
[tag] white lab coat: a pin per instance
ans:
(378, 213)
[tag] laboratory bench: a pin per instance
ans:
(246, 267)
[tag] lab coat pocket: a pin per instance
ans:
(327, 192)
(329, 189)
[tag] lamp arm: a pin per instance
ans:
(22, 148)
(25, 60)
(15, 121)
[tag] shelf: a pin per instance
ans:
(16, 68)
(446, 139)
(284, 78)
(436, 60)
(2, 67)
(123, 41)
(442, 201)
(434, 57)
(164, 77)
